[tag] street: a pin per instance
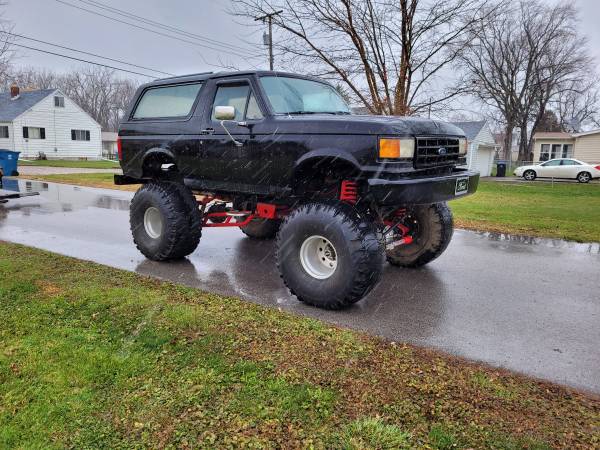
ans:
(526, 304)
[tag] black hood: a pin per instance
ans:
(363, 124)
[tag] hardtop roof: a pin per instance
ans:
(203, 76)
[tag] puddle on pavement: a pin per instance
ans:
(509, 239)
(60, 197)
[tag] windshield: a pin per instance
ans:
(298, 96)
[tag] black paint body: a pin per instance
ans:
(280, 148)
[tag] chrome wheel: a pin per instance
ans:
(153, 222)
(318, 257)
(583, 177)
(529, 175)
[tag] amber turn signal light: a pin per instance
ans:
(389, 148)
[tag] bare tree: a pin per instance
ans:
(100, 93)
(578, 104)
(390, 55)
(518, 62)
(6, 40)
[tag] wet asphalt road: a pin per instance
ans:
(529, 305)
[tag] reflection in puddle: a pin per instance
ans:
(586, 247)
(61, 198)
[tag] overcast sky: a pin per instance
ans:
(59, 23)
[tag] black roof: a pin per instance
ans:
(209, 75)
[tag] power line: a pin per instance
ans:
(152, 31)
(86, 53)
(82, 60)
(112, 9)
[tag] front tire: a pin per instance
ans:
(529, 175)
(262, 228)
(329, 255)
(584, 177)
(165, 221)
(432, 227)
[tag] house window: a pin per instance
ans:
(4, 132)
(80, 135)
(34, 133)
(553, 151)
(59, 102)
(567, 151)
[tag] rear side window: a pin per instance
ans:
(167, 102)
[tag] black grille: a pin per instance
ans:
(433, 152)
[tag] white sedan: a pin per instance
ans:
(560, 168)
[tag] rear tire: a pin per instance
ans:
(328, 255)
(584, 177)
(165, 221)
(433, 232)
(262, 228)
(529, 175)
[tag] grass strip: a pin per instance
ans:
(94, 357)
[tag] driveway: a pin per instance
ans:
(530, 305)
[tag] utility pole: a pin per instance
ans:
(269, 18)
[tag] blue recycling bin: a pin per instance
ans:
(8, 162)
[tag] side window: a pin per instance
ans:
(554, 162)
(167, 102)
(570, 162)
(253, 111)
(235, 96)
(246, 108)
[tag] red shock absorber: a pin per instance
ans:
(349, 191)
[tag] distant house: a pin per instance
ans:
(109, 144)
(583, 146)
(481, 146)
(47, 121)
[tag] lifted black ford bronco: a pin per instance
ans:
(279, 154)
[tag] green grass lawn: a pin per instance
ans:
(93, 357)
(563, 210)
(102, 164)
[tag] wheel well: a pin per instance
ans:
(320, 173)
(154, 164)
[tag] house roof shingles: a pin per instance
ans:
(471, 129)
(11, 109)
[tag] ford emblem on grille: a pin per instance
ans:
(442, 151)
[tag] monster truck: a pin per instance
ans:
(281, 155)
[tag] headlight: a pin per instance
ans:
(462, 146)
(390, 148)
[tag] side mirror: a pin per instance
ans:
(224, 112)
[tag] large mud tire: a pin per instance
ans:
(165, 221)
(358, 254)
(434, 230)
(262, 228)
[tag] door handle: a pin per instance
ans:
(207, 131)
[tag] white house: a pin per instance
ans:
(49, 122)
(481, 146)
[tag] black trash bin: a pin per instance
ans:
(501, 169)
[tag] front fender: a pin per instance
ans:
(328, 155)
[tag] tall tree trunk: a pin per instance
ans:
(524, 144)
(508, 135)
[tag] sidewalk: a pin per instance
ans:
(42, 170)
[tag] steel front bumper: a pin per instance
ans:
(421, 191)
